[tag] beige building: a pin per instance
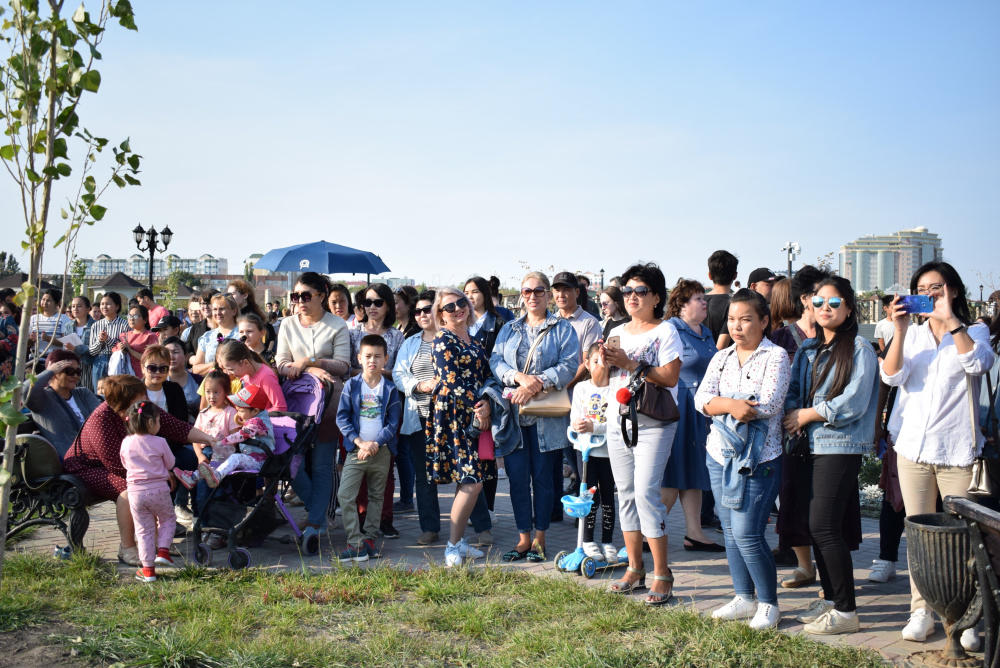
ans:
(879, 261)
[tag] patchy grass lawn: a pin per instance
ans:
(377, 617)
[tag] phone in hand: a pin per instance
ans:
(614, 342)
(917, 303)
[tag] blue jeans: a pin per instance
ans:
(405, 465)
(315, 492)
(99, 369)
(530, 470)
(750, 560)
(185, 460)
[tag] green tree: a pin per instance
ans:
(77, 272)
(8, 264)
(175, 280)
(248, 272)
(51, 65)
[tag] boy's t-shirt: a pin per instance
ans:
(370, 420)
(717, 319)
(591, 402)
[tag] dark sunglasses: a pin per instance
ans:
(377, 303)
(538, 292)
(455, 305)
(640, 291)
(157, 368)
(71, 371)
(834, 302)
(304, 297)
(426, 310)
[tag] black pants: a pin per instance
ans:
(832, 479)
(890, 531)
(599, 475)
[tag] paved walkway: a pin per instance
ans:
(703, 579)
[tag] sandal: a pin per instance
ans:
(800, 578)
(626, 587)
(536, 554)
(515, 555)
(698, 546)
(658, 598)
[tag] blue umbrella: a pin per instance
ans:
(322, 257)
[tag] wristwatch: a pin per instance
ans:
(312, 360)
(960, 328)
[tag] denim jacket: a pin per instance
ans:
(506, 434)
(406, 382)
(848, 426)
(84, 350)
(557, 359)
(742, 444)
(349, 414)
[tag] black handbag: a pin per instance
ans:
(799, 444)
(647, 399)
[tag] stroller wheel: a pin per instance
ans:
(558, 559)
(310, 544)
(588, 567)
(203, 554)
(239, 559)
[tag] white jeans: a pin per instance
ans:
(638, 473)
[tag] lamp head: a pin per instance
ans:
(138, 233)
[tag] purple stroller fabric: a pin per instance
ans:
(303, 395)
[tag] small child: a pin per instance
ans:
(253, 443)
(218, 419)
(147, 460)
(590, 402)
(368, 416)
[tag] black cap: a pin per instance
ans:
(760, 275)
(565, 278)
(167, 321)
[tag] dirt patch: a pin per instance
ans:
(28, 648)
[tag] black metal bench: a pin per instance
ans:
(42, 495)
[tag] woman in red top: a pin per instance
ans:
(140, 337)
(95, 456)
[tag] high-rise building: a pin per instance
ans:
(880, 261)
(137, 266)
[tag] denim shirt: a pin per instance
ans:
(349, 414)
(848, 426)
(406, 382)
(742, 444)
(557, 359)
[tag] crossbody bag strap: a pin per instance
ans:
(633, 413)
(534, 346)
(973, 421)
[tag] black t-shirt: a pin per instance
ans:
(718, 314)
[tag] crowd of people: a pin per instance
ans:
(733, 402)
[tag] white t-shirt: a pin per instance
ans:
(158, 397)
(885, 330)
(76, 409)
(371, 410)
(657, 347)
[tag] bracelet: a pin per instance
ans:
(960, 328)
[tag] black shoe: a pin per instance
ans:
(785, 557)
(400, 508)
(709, 521)
(387, 530)
(557, 516)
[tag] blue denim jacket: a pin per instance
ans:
(557, 358)
(406, 381)
(506, 433)
(349, 414)
(742, 444)
(848, 426)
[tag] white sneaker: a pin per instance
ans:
(338, 511)
(920, 626)
(593, 550)
(452, 556)
(466, 550)
(832, 624)
(610, 553)
(184, 516)
(819, 608)
(882, 571)
(970, 639)
(501, 474)
(493, 517)
(738, 608)
(767, 617)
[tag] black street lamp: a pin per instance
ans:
(139, 234)
(980, 294)
(602, 279)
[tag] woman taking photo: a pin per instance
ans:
(686, 475)
(140, 337)
(104, 334)
(553, 364)
(58, 405)
(252, 332)
(646, 340)
(935, 365)
(747, 383)
(178, 373)
(315, 341)
(224, 313)
(79, 311)
(832, 400)
(613, 308)
(378, 318)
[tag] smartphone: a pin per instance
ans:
(917, 303)
(614, 342)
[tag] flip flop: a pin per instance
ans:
(626, 587)
(515, 555)
(658, 598)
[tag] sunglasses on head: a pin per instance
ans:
(426, 310)
(157, 368)
(834, 302)
(455, 305)
(71, 371)
(377, 303)
(538, 292)
(640, 291)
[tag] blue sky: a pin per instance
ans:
(461, 138)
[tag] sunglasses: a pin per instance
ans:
(426, 310)
(134, 316)
(605, 304)
(640, 291)
(157, 368)
(71, 371)
(455, 305)
(538, 292)
(834, 302)
(377, 303)
(304, 297)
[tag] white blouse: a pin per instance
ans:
(931, 423)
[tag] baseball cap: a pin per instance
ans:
(565, 278)
(167, 321)
(251, 396)
(760, 275)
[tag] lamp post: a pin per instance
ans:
(151, 236)
(980, 294)
(602, 279)
(793, 249)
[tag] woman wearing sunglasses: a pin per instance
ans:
(554, 363)
(314, 341)
(833, 398)
(613, 309)
(224, 313)
(140, 337)
(379, 316)
(58, 404)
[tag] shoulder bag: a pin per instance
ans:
(985, 468)
(550, 402)
(648, 399)
(799, 443)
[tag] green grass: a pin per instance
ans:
(490, 617)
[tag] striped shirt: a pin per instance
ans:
(115, 328)
(423, 370)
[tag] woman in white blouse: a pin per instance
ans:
(746, 384)
(935, 365)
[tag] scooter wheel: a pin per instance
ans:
(203, 554)
(558, 560)
(239, 559)
(588, 567)
(310, 545)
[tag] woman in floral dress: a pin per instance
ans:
(461, 368)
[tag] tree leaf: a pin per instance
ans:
(133, 161)
(89, 184)
(7, 152)
(131, 181)
(119, 181)
(98, 211)
(125, 146)
(91, 81)
(32, 175)
(63, 213)
(80, 15)
(64, 169)
(11, 416)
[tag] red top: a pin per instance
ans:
(139, 341)
(267, 380)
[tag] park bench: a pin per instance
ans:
(42, 495)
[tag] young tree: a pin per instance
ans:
(51, 65)
(77, 272)
(8, 264)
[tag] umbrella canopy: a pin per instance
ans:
(322, 257)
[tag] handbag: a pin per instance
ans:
(985, 469)
(647, 399)
(487, 447)
(119, 364)
(799, 443)
(550, 402)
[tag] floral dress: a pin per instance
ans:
(461, 369)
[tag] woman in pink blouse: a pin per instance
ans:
(746, 384)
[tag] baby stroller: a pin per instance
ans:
(236, 510)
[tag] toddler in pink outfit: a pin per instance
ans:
(147, 460)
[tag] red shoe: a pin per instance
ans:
(163, 558)
(146, 574)
(186, 478)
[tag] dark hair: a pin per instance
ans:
(60, 354)
(320, 284)
(681, 294)
(805, 280)
(426, 296)
(651, 275)
(722, 267)
(959, 305)
(995, 331)
(173, 340)
(886, 300)
(581, 277)
(384, 292)
(342, 289)
(218, 376)
(253, 319)
(359, 297)
(616, 296)
(783, 305)
(206, 295)
(157, 351)
(234, 350)
(373, 341)
(144, 292)
(143, 311)
(141, 415)
(591, 349)
(842, 347)
(495, 287)
(86, 300)
(484, 287)
(55, 294)
(409, 291)
(755, 299)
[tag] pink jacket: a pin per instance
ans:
(147, 461)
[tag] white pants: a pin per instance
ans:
(638, 474)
